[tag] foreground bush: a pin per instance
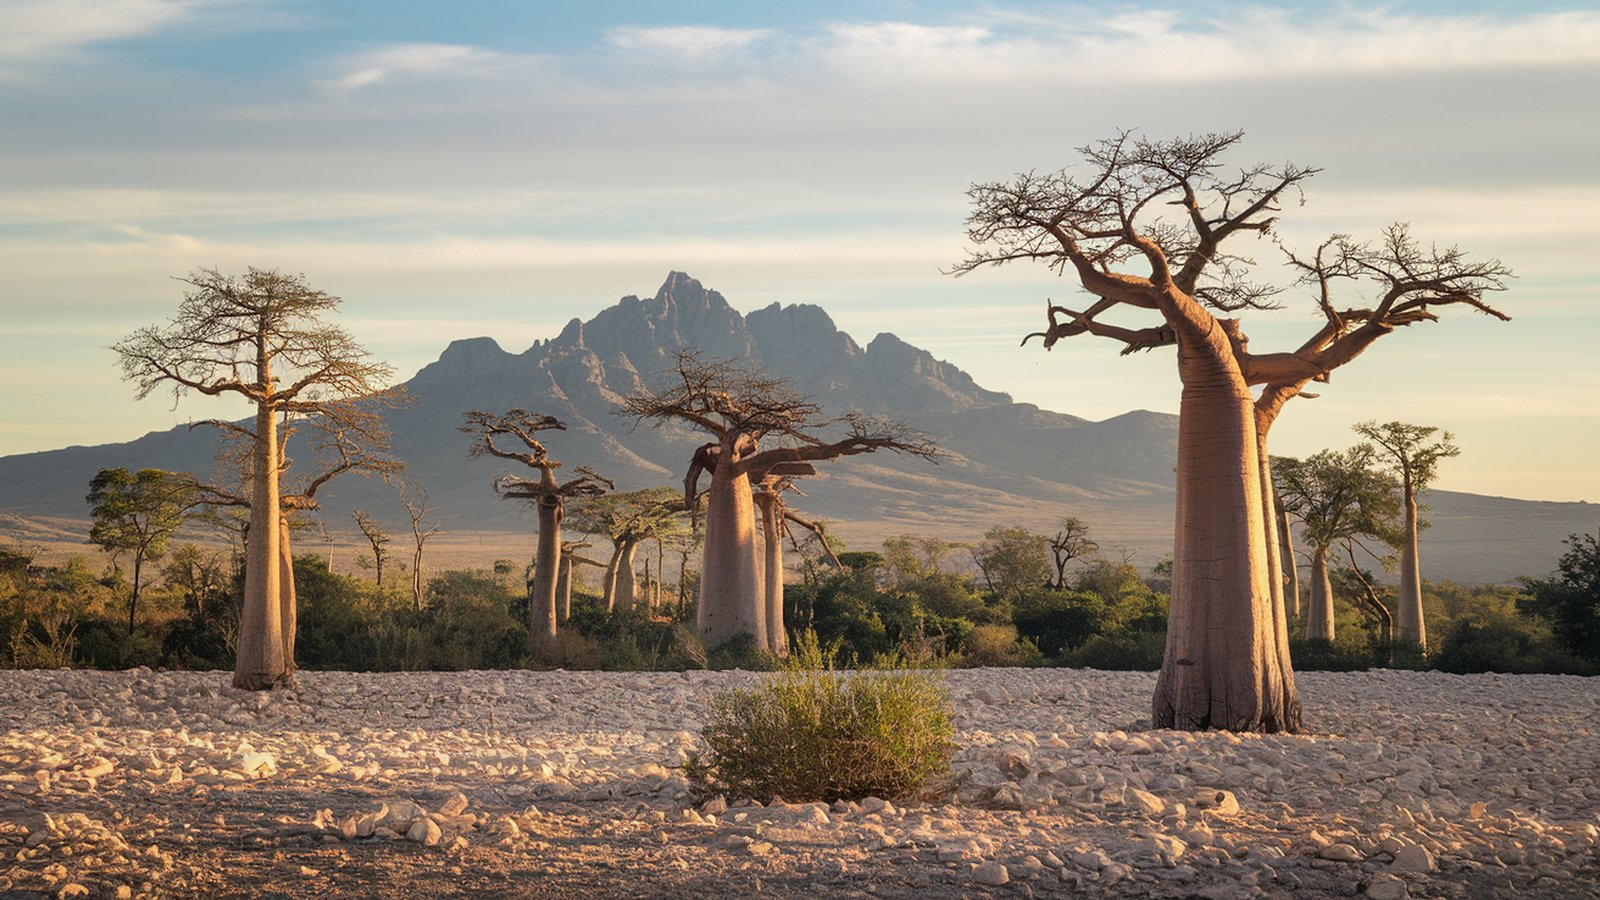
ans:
(813, 733)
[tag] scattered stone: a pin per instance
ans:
(716, 806)
(1145, 802)
(1340, 853)
(1386, 887)
(991, 873)
(1412, 858)
(425, 832)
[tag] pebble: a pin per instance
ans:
(991, 873)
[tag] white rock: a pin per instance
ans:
(992, 872)
(1386, 887)
(1145, 802)
(425, 832)
(1412, 858)
(257, 764)
(1340, 853)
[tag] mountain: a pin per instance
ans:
(1008, 462)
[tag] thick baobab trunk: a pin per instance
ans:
(288, 611)
(627, 583)
(1226, 663)
(259, 663)
(1411, 628)
(1291, 589)
(546, 572)
(772, 574)
(608, 590)
(1319, 620)
(730, 585)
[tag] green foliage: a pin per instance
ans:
(1350, 651)
(999, 645)
(1058, 621)
(740, 652)
(1012, 560)
(1570, 601)
(1135, 651)
(1490, 642)
(813, 733)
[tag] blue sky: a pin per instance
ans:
(454, 170)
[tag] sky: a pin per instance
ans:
(497, 168)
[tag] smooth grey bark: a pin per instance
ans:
(547, 565)
(1319, 621)
(1290, 569)
(772, 570)
(1410, 625)
(259, 663)
(731, 602)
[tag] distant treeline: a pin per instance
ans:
(927, 601)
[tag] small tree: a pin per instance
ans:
(1570, 601)
(1012, 559)
(416, 503)
(628, 519)
(1340, 497)
(260, 337)
(742, 408)
(1071, 541)
(1414, 458)
(377, 537)
(549, 496)
(137, 514)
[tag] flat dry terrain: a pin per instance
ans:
(560, 784)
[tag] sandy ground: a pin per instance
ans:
(561, 785)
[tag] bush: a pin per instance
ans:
(998, 645)
(1058, 621)
(1505, 644)
(1350, 651)
(1121, 651)
(813, 733)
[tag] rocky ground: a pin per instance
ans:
(561, 784)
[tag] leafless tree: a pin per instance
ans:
(1142, 228)
(416, 503)
(259, 336)
(376, 536)
(514, 436)
(742, 408)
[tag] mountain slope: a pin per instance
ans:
(1008, 463)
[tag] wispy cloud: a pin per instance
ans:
(694, 43)
(34, 31)
(398, 61)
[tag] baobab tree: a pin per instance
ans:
(1142, 229)
(1414, 459)
(258, 336)
(775, 519)
(741, 409)
(548, 496)
(569, 561)
(1339, 497)
(628, 519)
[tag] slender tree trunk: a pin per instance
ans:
(646, 596)
(1291, 571)
(258, 663)
(288, 611)
(1226, 663)
(416, 578)
(608, 591)
(546, 572)
(730, 583)
(133, 598)
(1409, 602)
(627, 585)
(1319, 624)
(772, 576)
(564, 590)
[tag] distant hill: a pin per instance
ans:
(1009, 463)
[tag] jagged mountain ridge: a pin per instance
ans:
(1009, 463)
(997, 447)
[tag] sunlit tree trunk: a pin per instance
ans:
(1226, 656)
(564, 590)
(729, 574)
(260, 663)
(1409, 602)
(1319, 621)
(546, 571)
(1291, 571)
(627, 583)
(772, 576)
(286, 595)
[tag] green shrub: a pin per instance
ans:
(1058, 621)
(1507, 644)
(1349, 652)
(740, 652)
(998, 645)
(1120, 651)
(812, 733)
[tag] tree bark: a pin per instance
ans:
(772, 576)
(259, 663)
(564, 590)
(608, 591)
(133, 598)
(546, 572)
(1290, 570)
(288, 611)
(1319, 623)
(1226, 663)
(627, 584)
(1409, 602)
(730, 586)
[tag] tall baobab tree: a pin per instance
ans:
(492, 436)
(775, 518)
(569, 561)
(741, 409)
(258, 336)
(1414, 458)
(1339, 497)
(1141, 227)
